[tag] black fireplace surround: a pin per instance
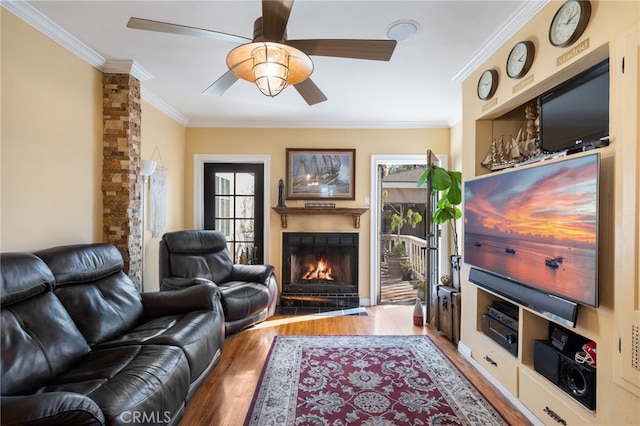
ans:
(319, 270)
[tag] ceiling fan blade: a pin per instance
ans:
(310, 92)
(221, 85)
(377, 50)
(165, 27)
(275, 15)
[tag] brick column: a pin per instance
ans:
(121, 180)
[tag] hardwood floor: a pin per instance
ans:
(225, 396)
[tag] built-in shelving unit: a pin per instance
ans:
(616, 321)
(517, 373)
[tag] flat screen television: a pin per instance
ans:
(574, 116)
(534, 231)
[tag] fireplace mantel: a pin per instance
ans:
(355, 212)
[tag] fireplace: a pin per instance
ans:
(319, 270)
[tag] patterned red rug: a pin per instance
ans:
(364, 380)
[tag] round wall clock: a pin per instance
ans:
(569, 22)
(520, 59)
(487, 84)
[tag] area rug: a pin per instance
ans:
(364, 380)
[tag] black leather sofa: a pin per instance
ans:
(248, 293)
(80, 345)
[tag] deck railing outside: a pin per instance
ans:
(415, 249)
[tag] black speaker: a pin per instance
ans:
(577, 380)
(546, 361)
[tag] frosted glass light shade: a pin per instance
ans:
(147, 167)
(270, 69)
(272, 66)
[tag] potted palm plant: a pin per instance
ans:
(449, 185)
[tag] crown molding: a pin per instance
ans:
(126, 66)
(33, 17)
(164, 107)
(37, 20)
(513, 24)
(270, 124)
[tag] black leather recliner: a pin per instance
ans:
(248, 293)
(80, 345)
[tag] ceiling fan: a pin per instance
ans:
(270, 60)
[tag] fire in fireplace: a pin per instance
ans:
(319, 272)
(320, 269)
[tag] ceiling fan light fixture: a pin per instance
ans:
(271, 66)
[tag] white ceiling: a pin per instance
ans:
(419, 87)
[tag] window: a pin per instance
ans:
(233, 204)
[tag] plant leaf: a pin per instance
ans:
(443, 215)
(454, 194)
(423, 177)
(456, 176)
(443, 203)
(441, 180)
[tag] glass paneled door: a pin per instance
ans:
(401, 232)
(234, 205)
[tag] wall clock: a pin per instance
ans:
(569, 22)
(520, 59)
(487, 84)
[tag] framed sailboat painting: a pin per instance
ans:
(321, 174)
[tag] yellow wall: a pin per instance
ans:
(163, 140)
(609, 19)
(273, 142)
(456, 147)
(51, 142)
(51, 160)
(457, 153)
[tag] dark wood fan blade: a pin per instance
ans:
(310, 92)
(275, 15)
(377, 50)
(221, 85)
(165, 27)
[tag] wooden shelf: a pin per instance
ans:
(355, 212)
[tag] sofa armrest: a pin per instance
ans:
(252, 273)
(198, 297)
(50, 408)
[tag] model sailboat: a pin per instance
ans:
(504, 153)
(508, 151)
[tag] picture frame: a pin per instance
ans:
(321, 174)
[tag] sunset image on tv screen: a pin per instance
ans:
(538, 226)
